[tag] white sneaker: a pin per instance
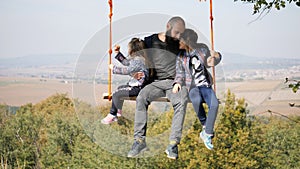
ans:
(109, 119)
(119, 113)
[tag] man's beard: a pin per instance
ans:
(170, 40)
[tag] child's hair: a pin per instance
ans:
(190, 37)
(136, 46)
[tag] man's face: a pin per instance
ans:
(175, 31)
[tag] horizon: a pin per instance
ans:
(78, 54)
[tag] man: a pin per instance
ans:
(163, 49)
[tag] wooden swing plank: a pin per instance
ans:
(160, 99)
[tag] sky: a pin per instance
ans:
(42, 27)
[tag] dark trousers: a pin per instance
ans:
(122, 91)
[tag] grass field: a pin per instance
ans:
(261, 96)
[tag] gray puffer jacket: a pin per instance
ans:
(134, 65)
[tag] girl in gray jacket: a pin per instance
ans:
(132, 65)
(191, 71)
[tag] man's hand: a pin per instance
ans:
(176, 88)
(138, 75)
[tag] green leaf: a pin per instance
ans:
(291, 85)
(295, 89)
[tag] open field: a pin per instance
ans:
(20, 91)
(261, 96)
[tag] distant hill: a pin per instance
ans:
(38, 60)
(233, 61)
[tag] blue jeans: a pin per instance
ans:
(201, 94)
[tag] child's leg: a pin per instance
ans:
(210, 98)
(124, 91)
(122, 101)
(117, 103)
(196, 99)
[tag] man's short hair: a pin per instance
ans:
(176, 19)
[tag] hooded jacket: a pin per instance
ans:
(191, 69)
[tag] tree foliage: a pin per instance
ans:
(262, 6)
(281, 144)
(293, 84)
(49, 135)
(237, 141)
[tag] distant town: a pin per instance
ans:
(264, 74)
(234, 67)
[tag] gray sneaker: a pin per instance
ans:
(172, 151)
(137, 147)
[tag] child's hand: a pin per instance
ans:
(117, 48)
(176, 88)
(138, 75)
(213, 53)
(111, 66)
(213, 59)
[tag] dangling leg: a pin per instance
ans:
(143, 100)
(210, 98)
(179, 103)
(117, 103)
(213, 105)
(197, 102)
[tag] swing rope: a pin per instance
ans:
(212, 43)
(110, 49)
(109, 94)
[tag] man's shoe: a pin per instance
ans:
(137, 147)
(207, 140)
(172, 151)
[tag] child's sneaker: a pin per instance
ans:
(207, 140)
(119, 113)
(109, 119)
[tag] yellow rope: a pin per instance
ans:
(212, 44)
(110, 49)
